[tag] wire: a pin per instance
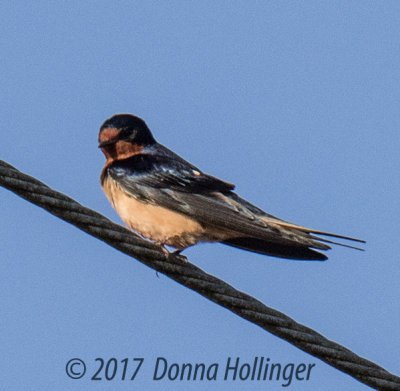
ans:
(177, 268)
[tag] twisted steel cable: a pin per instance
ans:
(216, 290)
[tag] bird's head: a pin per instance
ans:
(124, 135)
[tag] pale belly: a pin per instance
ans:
(154, 222)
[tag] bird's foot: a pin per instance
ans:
(178, 254)
(164, 250)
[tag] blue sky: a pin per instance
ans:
(294, 102)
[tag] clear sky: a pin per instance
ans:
(297, 103)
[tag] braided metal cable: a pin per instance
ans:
(216, 290)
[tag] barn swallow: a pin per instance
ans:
(171, 202)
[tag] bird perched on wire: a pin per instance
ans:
(171, 202)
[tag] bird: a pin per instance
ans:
(171, 202)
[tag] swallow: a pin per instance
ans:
(166, 199)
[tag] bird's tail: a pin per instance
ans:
(310, 231)
(300, 247)
(265, 247)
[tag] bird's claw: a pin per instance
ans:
(181, 257)
(176, 253)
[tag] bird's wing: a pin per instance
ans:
(166, 172)
(210, 201)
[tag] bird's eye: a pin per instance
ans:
(128, 134)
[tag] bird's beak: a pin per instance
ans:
(107, 142)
